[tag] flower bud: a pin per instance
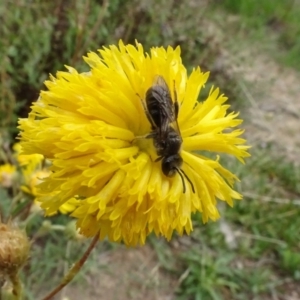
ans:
(72, 232)
(14, 249)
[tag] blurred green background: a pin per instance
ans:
(252, 49)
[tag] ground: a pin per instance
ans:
(274, 105)
(126, 274)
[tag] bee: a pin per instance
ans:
(162, 114)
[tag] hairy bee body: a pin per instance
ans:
(162, 114)
(156, 96)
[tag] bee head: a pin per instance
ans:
(171, 165)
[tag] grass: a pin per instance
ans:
(264, 256)
(280, 19)
(262, 259)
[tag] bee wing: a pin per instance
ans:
(165, 103)
(169, 108)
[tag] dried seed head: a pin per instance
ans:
(14, 249)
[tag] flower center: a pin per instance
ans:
(146, 145)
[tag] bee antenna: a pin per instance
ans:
(182, 179)
(188, 179)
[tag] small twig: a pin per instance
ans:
(97, 24)
(247, 94)
(45, 229)
(82, 46)
(15, 200)
(281, 216)
(260, 238)
(67, 255)
(183, 276)
(75, 269)
(27, 203)
(272, 199)
(81, 25)
(1, 218)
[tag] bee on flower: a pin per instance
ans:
(130, 150)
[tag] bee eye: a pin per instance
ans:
(170, 164)
(166, 167)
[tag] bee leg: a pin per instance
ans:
(150, 135)
(176, 105)
(159, 158)
(147, 113)
(140, 137)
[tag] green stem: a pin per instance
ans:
(75, 269)
(17, 286)
(1, 284)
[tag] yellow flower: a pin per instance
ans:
(89, 125)
(33, 173)
(32, 170)
(33, 179)
(32, 161)
(7, 175)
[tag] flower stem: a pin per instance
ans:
(17, 287)
(1, 284)
(75, 269)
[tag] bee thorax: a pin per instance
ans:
(169, 145)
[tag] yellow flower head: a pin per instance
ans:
(32, 180)
(33, 173)
(91, 127)
(31, 167)
(7, 175)
(32, 161)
